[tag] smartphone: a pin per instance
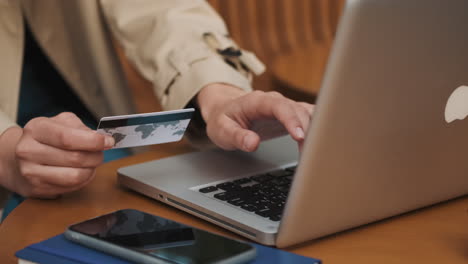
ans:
(144, 238)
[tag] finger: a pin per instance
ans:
(50, 191)
(48, 132)
(277, 107)
(304, 116)
(78, 186)
(66, 177)
(71, 120)
(36, 152)
(309, 107)
(229, 135)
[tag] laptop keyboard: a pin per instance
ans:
(264, 194)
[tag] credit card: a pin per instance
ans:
(146, 129)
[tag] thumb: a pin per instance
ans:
(232, 136)
(248, 141)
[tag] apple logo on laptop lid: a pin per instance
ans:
(457, 105)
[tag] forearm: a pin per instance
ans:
(164, 41)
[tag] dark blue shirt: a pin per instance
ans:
(43, 91)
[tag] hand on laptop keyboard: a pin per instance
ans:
(230, 113)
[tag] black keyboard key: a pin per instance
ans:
(225, 186)
(263, 212)
(208, 189)
(278, 199)
(237, 201)
(261, 206)
(292, 169)
(275, 218)
(261, 178)
(276, 209)
(247, 190)
(280, 181)
(287, 180)
(255, 187)
(222, 196)
(243, 181)
(283, 189)
(280, 173)
(249, 207)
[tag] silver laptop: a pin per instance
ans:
(383, 140)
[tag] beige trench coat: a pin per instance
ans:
(162, 38)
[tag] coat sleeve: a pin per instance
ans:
(164, 41)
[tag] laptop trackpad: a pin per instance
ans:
(188, 170)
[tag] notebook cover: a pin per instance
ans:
(60, 250)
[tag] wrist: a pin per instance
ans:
(8, 165)
(214, 95)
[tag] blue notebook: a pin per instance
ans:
(60, 250)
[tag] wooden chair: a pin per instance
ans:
(274, 27)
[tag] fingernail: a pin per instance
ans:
(249, 141)
(109, 142)
(299, 133)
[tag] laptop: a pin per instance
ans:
(382, 141)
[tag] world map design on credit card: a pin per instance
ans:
(146, 129)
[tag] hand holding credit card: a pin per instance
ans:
(146, 129)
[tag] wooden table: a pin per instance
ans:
(438, 234)
(299, 73)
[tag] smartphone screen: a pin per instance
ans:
(160, 237)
